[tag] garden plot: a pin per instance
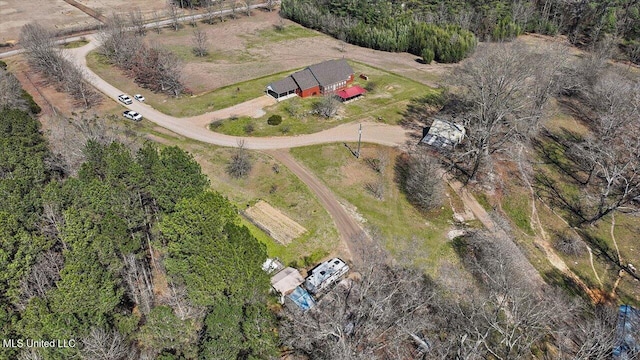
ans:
(273, 222)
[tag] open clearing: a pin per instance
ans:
(386, 101)
(61, 17)
(248, 53)
(412, 237)
(280, 227)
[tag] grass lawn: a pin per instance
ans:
(276, 34)
(74, 44)
(283, 191)
(185, 105)
(409, 235)
(386, 102)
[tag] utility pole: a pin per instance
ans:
(359, 141)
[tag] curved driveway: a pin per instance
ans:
(196, 127)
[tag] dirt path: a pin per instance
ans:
(352, 234)
(615, 243)
(541, 239)
(527, 272)
(87, 10)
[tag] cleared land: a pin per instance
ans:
(386, 101)
(59, 16)
(411, 236)
(248, 53)
(280, 227)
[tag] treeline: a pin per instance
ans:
(382, 27)
(133, 258)
(154, 68)
(45, 57)
(12, 95)
(380, 24)
(584, 22)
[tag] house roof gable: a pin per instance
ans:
(331, 71)
(305, 79)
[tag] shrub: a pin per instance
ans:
(248, 129)
(427, 55)
(33, 106)
(274, 120)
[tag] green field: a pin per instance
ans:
(386, 102)
(185, 105)
(411, 236)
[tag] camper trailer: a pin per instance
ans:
(324, 275)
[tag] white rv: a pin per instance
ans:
(324, 275)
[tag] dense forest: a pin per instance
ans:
(442, 27)
(382, 26)
(132, 258)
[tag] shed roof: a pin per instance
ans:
(283, 86)
(305, 79)
(286, 280)
(331, 72)
(353, 91)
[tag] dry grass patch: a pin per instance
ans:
(276, 224)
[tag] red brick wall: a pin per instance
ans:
(309, 92)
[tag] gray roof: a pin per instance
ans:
(283, 86)
(331, 72)
(304, 79)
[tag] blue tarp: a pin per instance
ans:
(627, 333)
(301, 297)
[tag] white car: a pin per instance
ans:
(125, 99)
(130, 114)
(138, 97)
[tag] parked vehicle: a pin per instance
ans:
(139, 97)
(324, 275)
(125, 99)
(130, 114)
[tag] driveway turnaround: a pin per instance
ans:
(196, 127)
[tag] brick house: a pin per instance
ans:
(318, 79)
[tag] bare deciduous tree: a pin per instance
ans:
(103, 344)
(200, 42)
(376, 188)
(156, 18)
(380, 162)
(419, 177)
(119, 44)
(10, 91)
(136, 19)
(240, 164)
(173, 13)
(221, 4)
(30, 354)
(271, 4)
(45, 57)
(327, 106)
(183, 308)
(137, 276)
(379, 315)
(209, 11)
(604, 162)
(43, 276)
(504, 88)
(247, 6)
(234, 8)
